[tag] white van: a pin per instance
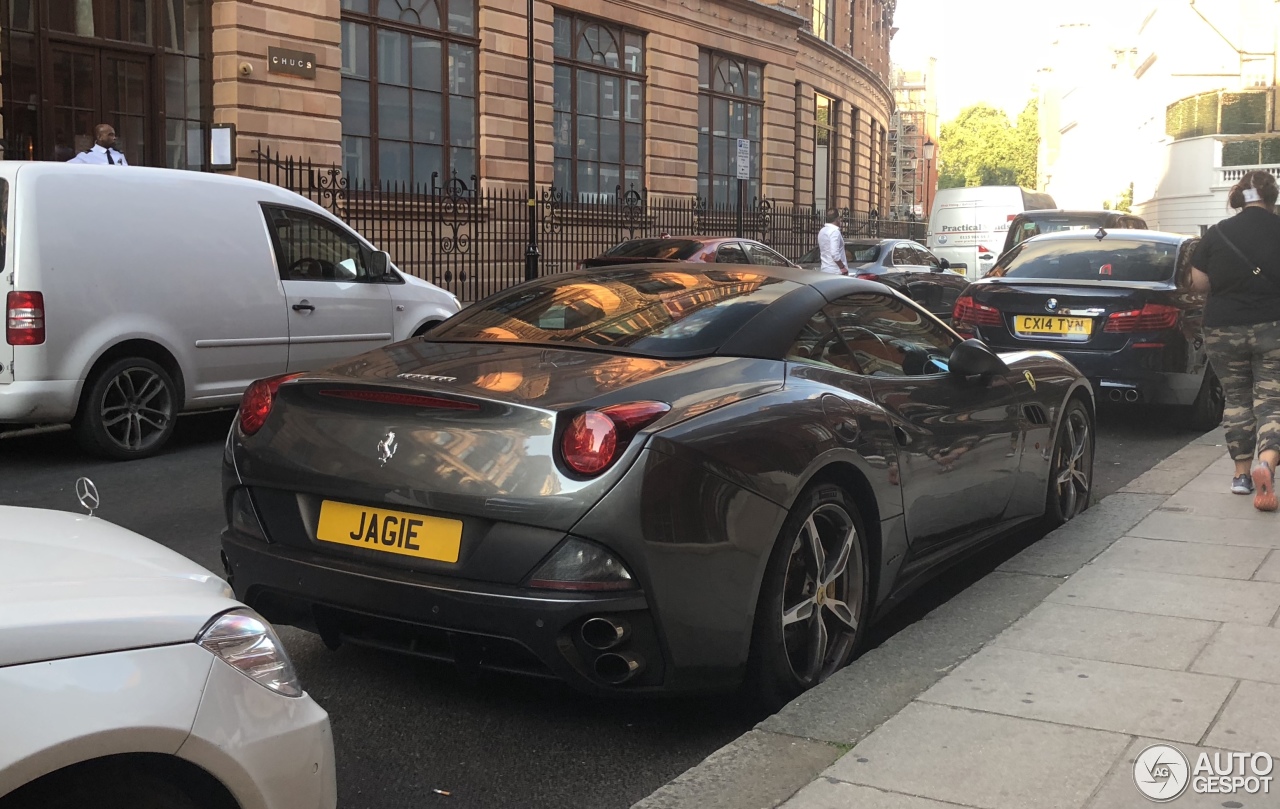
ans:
(967, 226)
(133, 295)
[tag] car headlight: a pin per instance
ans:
(248, 644)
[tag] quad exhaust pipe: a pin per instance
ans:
(617, 668)
(602, 634)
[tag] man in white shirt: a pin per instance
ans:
(104, 151)
(831, 245)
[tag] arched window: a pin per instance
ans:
(599, 108)
(730, 107)
(409, 91)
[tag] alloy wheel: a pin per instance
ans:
(822, 594)
(137, 407)
(1073, 465)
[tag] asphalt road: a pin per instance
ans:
(405, 728)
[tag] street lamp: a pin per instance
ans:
(531, 254)
(928, 149)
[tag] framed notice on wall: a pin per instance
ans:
(222, 147)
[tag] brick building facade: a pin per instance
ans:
(649, 94)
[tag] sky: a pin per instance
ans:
(987, 50)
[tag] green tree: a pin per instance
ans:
(980, 147)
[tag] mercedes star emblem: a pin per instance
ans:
(387, 448)
(1051, 305)
(87, 494)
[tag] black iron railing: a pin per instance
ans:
(472, 240)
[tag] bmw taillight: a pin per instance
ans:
(256, 403)
(969, 312)
(24, 319)
(868, 276)
(1151, 317)
(593, 440)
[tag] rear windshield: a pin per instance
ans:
(1079, 260)
(642, 311)
(854, 253)
(1054, 225)
(678, 249)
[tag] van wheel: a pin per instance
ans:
(128, 410)
(815, 598)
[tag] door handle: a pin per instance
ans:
(303, 307)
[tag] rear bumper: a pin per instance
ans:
(39, 402)
(1135, 375)
(473, 624)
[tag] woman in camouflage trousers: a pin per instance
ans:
(1237, 264)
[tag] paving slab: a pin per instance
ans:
(1120, 792)
(1206, 599)
(1243, 652)
(981, 760)
(1175, 471)
(1251, 721)
(1085, 693)
(756, 771)
(1219, 503)
(1067, 549)
(1108, 635)
(884, 680)
(826, 793)
(1270, 570)
(1187, 527)
(1187, 558)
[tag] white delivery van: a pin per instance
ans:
(967, 226)
(133, 295)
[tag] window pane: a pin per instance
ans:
(361, 6)
(355, 107)
(633, 177)
(393, 58)
(634, 61)
(720, 119)
(704, 186)
(428, 117)
(195, 145)
(635, 143)
(610, 141)
(22, 15)
(564, 36)
(588, 139)
(611, 180)
(753, 122)
(428, 61)
(704, 154)
(172, 30)
(462, 70)
(753, 82)
(175, 142)
(737, 119)
(462, 17)
(464, 163)
(393, 112)
(720, 155)
(139, 21)
(462, 121)
(588, 93)
(563, 134)
(195, 109)
(426, 160)
(635, 100)
(610, 98)
(175, 86)
(563, 89)
(588, 181)
(355, 158)
(564, 174)
(355, 49)
(704, 70)
(393, 161)
(195, 27)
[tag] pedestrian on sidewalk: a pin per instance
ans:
(831, 245)
(1237, 264)
(104, 151)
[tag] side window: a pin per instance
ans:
(818, 343)
(310, 248)
(731, 253)
(928, 259)
(903, 255)
(762, 255)
(889, 337)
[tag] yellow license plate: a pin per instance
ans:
(1051, 324)
(389, 531)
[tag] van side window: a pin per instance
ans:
(310, 248)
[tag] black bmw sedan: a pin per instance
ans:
(1117, 304)
(660, 477)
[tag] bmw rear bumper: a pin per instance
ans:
(1135, 375)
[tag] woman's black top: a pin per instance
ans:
(1237, 297)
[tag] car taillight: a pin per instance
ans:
(970, 312)
(258, 398)
(1151, 317)
(24, 319)
(594, 439)
(868, 276)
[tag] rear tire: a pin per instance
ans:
(1205, 413)
(1070, 483)
(128, 410)
(814, 602)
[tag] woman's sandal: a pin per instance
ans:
(1264, 498)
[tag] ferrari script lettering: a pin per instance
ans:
(390, 531)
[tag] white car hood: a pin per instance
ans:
(74, 585)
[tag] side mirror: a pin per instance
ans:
(944, 264)
(379, 263)
(973, 358)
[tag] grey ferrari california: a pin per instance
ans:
(651, 477)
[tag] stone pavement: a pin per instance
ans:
(1151, 618)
